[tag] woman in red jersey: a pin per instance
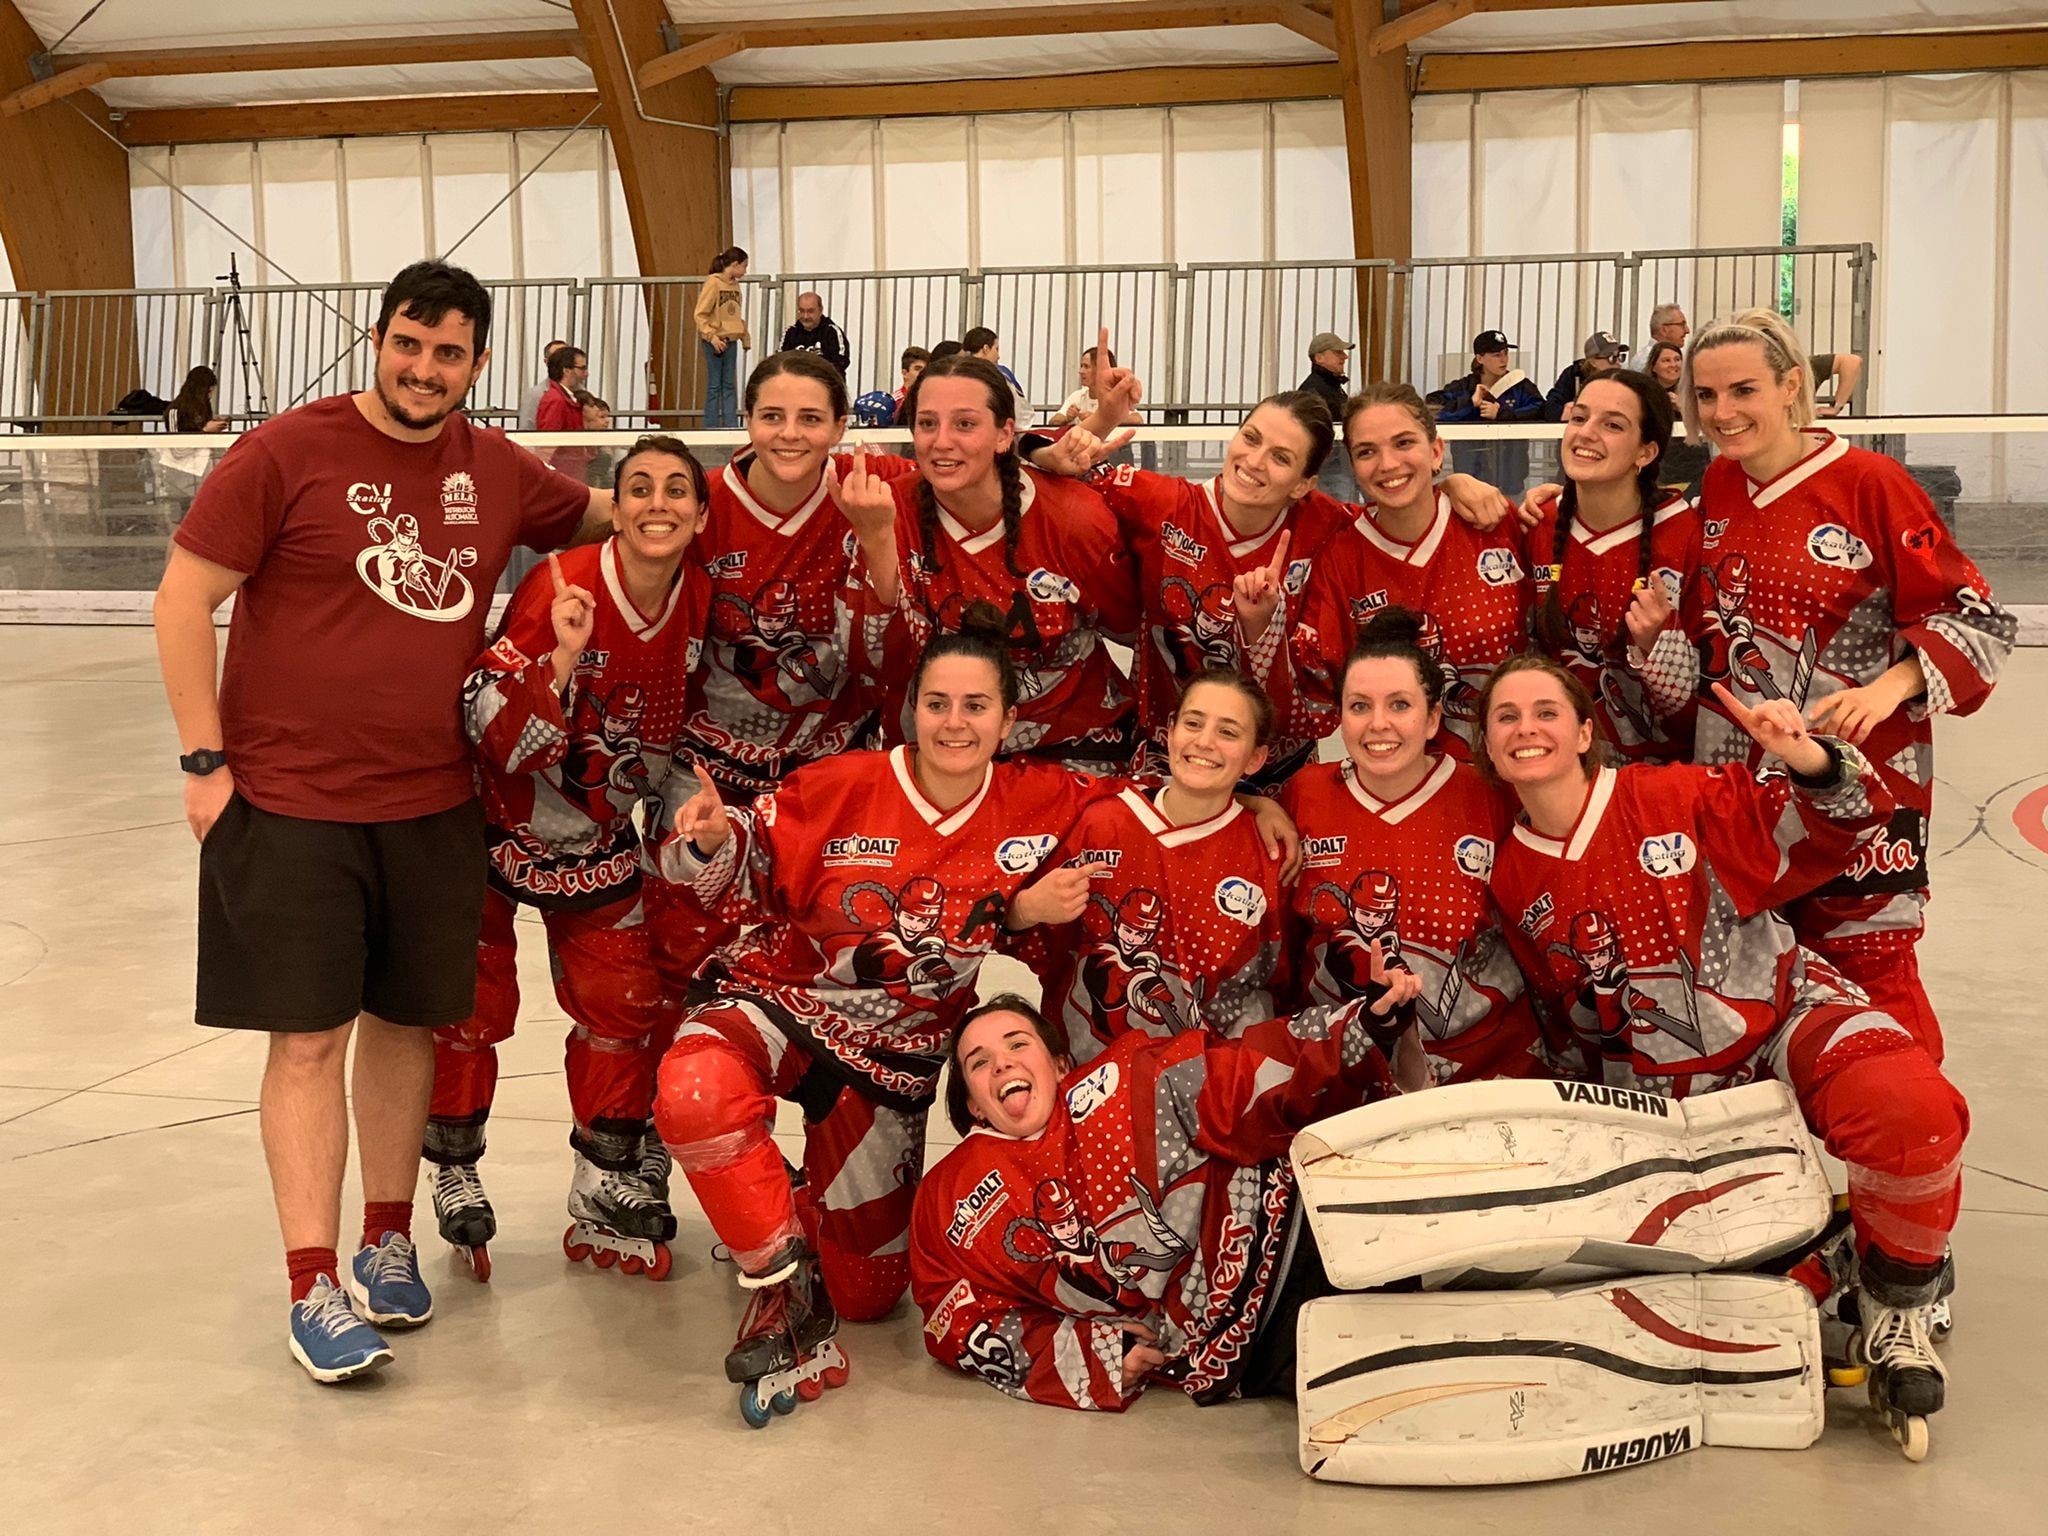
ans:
(1131, 1220)
(1181, 930)
(1407, 547)
(1613, 558)
(573, 711)
(1640, 904)
(878, 882)
(1398, 841)
(976, 526)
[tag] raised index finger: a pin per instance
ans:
(1102, 347)
(1733, 705)
(1279, 566)
(555, 570)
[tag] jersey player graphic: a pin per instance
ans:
(1124, 985)
(401, 572)
(1103, 1270)
(1201, 627)
(767, 650)
(1739, 653)
(1371, 911)
(909, 957)
(1623, 1012)
(606, 742)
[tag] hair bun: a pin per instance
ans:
(983, 620)
(1393, 626)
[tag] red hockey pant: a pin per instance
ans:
(604, 974)
(1878, 1101)
(1874, 941)
(715, 1107)
(683, 935)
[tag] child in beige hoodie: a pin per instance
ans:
(721, 322)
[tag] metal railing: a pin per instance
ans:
(1209, 339)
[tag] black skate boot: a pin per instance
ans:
(656, 1166)
(615, 1218)
(461, 1207)
(1908, 1382)
(788, 1348)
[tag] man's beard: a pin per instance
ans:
(416, 421)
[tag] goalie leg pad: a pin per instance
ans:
(1502, 1184)
(1525, 1386)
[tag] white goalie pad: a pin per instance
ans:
(1523, 1386)
(1497, 1185)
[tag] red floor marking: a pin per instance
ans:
(2031, 817)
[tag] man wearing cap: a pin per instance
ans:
(1601, 354)
(1491, 392)
(1329, 356)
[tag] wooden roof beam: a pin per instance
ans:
(82, 71)
(1171, 86)
(505, 112)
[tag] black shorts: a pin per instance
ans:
(305, 924)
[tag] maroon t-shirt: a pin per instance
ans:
(370, 565)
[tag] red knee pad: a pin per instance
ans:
(864, 1289)
(466, 1054)
(707, 1087)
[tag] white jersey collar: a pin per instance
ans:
(1422, 550)
(945, 823)
(786, 524)
(1831, 449)
(1574, 847)
(974, 543)
(1394, 812)
(643, 626)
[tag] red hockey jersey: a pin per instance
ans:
(1648, 934)
(1411, 873)
(1078, 591)
(1188, 557)
(1181, 933)
(1469, 587)
(1595, 582)
(793, 645)
(562, 772)
(1158, 1192)
(868, 941)
(1818, 582)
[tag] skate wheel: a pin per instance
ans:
(1846, 1375)
(576, 1251)
(631, 1264)
(603, 1258)
(835, 1376)
(1911, 1433)
(480, 1262)
(783, 1402)
(664, 1261)
(810, 1389)
(752, 1409)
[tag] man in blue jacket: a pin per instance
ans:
(1601, 354)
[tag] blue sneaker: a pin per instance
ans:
(329, 1340)
(386, 1285)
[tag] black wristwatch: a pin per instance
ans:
(204, 761)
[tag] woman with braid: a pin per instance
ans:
(1610, 557)
(976, 525)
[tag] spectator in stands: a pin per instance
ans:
(1665, 362)
(529, 403)
(1668, 323)
(192, 409)
(985, 344)
(1846, 369)
(815, 331)
(1329, 380)
(721, 319)
(1492, 392)
(560, 410)
(597, 417)
(1082, 401)
(913, 361)
(1601, 354)
(943, 349)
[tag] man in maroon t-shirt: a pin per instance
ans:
(341, 866)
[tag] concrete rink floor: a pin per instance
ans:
(144, 1382)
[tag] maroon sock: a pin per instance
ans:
(305, 1264)
(381, 1216)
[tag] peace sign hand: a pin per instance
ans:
(573, 614)
(1256, 592)
(1058, 897)
(1775, 726)
(702, 818)
(866, 500)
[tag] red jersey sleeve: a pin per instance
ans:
(1279, 1076)
(1101, 551)
(552, 505)
(1750, 828)
(239, 507)
(1941, 603)
(510, 706)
